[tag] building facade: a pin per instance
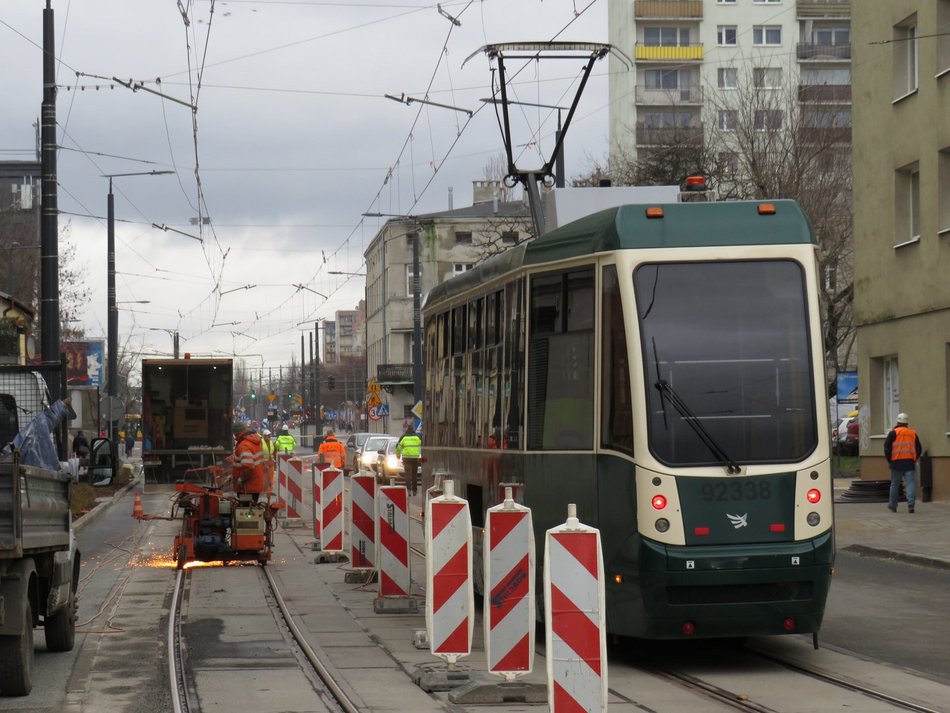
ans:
(450, 242)
(344, 336)
(902, 227)
(699, 64)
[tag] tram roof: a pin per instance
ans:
(627, 227)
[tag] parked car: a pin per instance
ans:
(388, 464)
(371, 448)
(846, 435)
(354, 444)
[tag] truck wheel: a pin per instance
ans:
(60, 629)
(16, 658)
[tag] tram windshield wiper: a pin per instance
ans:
(693, 421)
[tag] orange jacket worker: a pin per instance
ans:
(333, 452)
(249, 461)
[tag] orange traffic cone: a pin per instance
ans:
(137, 507)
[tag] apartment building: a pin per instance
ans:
(902, 227)
(450, 242)
(344, 336)
(699, 63)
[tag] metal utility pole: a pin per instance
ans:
(319, 419)
(417, 376)
(49, 222)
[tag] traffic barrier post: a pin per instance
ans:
(392, 542)
(450, 594)
(331, 517)
(509, 581)
(575, 638)
(362, 522)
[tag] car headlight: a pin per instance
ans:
(392, 462)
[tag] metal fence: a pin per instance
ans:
(24, 393)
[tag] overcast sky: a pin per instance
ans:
(293, 140)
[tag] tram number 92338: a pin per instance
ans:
(735, 490)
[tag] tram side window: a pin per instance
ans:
(560, 356)
(458, 329)
(514, 325)
(616, 418)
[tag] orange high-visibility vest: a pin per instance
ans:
(904, 446)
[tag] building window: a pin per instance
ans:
(726, 35)
(463, 237)
(728, 78)
(907, 204)
(943, 191)
(767, 77)
(831, 36)
(666, 36)
(766, 2)
(768, 120)
(409, 283)
(662, 79)
(767, 35)
(943, 36)
(905, 57)
(460, 267)
(509, 237)
(728, 119)
(725, 2)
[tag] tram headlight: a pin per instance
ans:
(813, 518)
(662, 524)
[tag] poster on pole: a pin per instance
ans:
(85, 362)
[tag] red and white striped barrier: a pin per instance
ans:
(575, 639)
(450, 594)
(290, 486)
(362, 521)
(331, 509)
(509, 579)
(392, 537)
(315, 494)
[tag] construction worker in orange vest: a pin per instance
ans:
(902, 450)
(333, 452)
(248, 469)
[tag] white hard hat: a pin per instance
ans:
(902, 418)
(266, 432)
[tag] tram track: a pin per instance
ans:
(704, 685)
(183, 688)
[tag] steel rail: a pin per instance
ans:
(334, 688)
(176, 671)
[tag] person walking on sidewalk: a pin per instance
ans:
(409, 448)
(902, 450)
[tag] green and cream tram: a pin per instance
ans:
(661, 367)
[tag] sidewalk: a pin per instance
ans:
(871, 529)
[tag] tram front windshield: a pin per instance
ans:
(727, 344)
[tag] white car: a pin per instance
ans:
(370, 450)
(389, 465)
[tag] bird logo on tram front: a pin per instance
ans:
(738, 520)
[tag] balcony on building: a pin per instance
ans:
(669, 53)
(824, 93)
(394, 374)
(668, 9)
(669, 136)
(651, 96)
(816, 9)
(812, 51)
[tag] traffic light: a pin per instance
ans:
(253, 395)
(331, 382)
